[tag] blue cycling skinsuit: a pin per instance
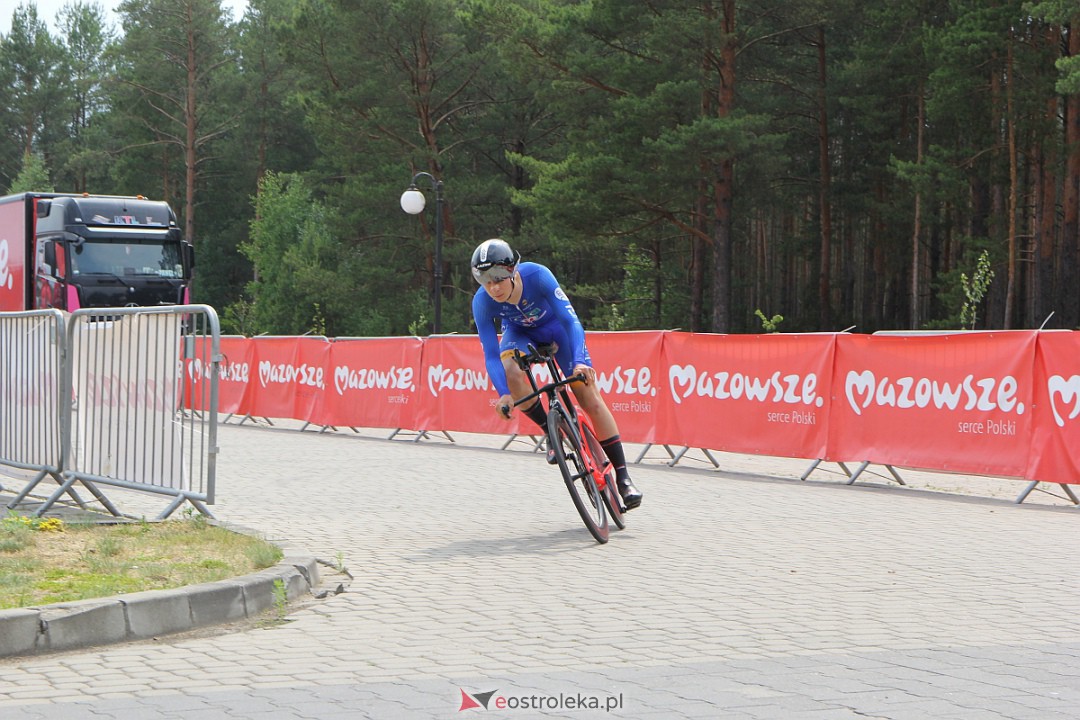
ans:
(543, 315)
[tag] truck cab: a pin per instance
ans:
(105, 251)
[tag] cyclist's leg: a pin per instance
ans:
(592, 402)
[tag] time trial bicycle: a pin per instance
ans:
(581, 460)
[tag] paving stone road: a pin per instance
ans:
(733, 593)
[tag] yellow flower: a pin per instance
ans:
(51, 525)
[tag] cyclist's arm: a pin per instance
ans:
(489, 340)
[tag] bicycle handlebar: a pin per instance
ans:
(550, 387)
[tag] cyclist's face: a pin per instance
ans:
(499, 290)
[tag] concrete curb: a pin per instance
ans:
(139, 616)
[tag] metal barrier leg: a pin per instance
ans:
(855, 476)
(896, 475)
(644, 451)
(100, 497)
(1034, 483)
(667, 448)
(178, 501)
(67, 487)
(201, 507)
(1070, 493)
(425, 435)
(812, 468)
(676, 458)
(537, 443)
(25, 492)
(1025, 492)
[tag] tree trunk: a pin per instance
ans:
(916, 255)
(1069, 295)
(825, 278)
(722, 253)
(658, 283)
(723, 190)
(1045, 213)
(1010, 287)
(191, 124)
(697, 265)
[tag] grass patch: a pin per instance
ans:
(44, 561)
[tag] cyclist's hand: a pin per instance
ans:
(586, 371)
(504, 406)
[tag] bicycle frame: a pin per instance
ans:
(568, 423)
(558, 396)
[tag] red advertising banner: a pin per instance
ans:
(456, 393)
(628, 375)
(234, 375)
(308, 376)
(1056, 415)
(372, 382)
(958, 402)
(1002, 403)
(273, 381)
(760, 394)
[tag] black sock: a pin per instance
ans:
(614, 450)
(537, 414)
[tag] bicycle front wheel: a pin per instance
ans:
(579, 482)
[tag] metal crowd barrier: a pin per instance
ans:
(137, 406)
(31, 373)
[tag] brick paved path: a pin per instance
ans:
(731, 595)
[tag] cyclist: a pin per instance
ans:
(526, 298)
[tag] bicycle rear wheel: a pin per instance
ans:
(583, 491)
(610, 493)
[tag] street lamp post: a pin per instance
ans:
(413, 202)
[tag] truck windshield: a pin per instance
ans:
(98, 258)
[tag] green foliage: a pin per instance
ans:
(961, 294)
(34, 89)
(239, 318)
(176, 97)
(318, 322)
(297, 262)
(34, 176)
(1059, 12)
(975, 289)
(418, 327)
(1069, 82)
(769, 325)
(280, 598)
(85, 40)
(608, 317)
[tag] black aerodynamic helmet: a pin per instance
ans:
(493, 261)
